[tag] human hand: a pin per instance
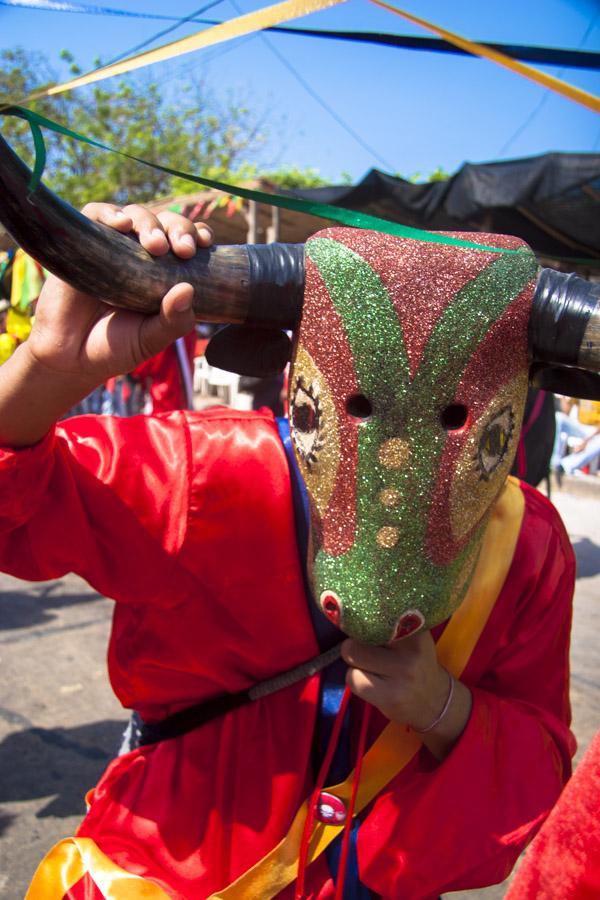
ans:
(78, 335)
(405, 681)
(580, 446)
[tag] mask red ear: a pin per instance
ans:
(564, 335)
(258, 285)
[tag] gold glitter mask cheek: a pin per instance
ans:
(406, 387)
(314, 429)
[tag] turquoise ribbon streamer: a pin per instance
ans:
(312, 208)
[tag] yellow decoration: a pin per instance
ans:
(589, 412)
(27, 281)
(554, 84)
(246, 24)
(8, 345)
(18, 324)
(69, 860)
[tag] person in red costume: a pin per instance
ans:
(563, 863)
(188, 522)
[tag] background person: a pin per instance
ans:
(585, 426)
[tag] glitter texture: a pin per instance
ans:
(399, 503)
(394, 453)
(388, 536)
(390, 497)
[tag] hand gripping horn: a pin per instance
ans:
(259, 287)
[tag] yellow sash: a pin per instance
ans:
(68, 862)
(70, 859)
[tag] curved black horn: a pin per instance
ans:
(261, 285)
(564, 325)
(564, 335)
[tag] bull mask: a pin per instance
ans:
(410, 368)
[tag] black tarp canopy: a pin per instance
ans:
(551, 201)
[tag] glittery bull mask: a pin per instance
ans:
(407, 389)
(407, 386)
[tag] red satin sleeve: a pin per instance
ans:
(477, 809)
(185, 520)
(97, 497)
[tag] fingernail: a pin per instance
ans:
(205, 234)
(182, 304)
(188, 241)
(157, 233)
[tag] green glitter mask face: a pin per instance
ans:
(407, 384)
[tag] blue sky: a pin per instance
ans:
(410, 111)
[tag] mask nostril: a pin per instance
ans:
(454, 416)
(359, 407)
(411, 621)
(331, 606)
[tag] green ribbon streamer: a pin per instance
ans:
(40, 156)
(312, 208)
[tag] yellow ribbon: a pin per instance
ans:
(246, 24)
(70, 859)
(68, 862)
(554, 84)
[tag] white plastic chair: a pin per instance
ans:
(225, 384)
(201, 375)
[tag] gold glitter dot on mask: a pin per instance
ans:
(393, 454)
(388, 536)
(390, 497)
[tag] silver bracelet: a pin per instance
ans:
(444, 710)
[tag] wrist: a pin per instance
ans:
(62, 389)
(441, 738)
(437, 720)
(33, 397)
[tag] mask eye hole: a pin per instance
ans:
(494, 442)
(454, 416)
(305, 418)
(359, 407)
(306, 421)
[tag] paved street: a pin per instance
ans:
(59, 723)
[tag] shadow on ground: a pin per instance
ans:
(28, 608)
(588, 557)
(59, 763)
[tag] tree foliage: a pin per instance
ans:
(194, 134)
